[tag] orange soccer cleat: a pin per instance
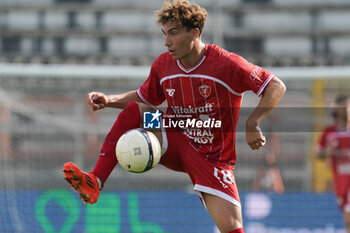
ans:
(86, 184)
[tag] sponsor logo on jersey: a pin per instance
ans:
(200, 136)
(170, 92)
(255, 73)
(207, 108)
(205, 90)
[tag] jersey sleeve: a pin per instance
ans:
(248, 76)
(151, 92)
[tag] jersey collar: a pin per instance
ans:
(192, 68)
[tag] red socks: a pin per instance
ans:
(239, 230)
(129, 118)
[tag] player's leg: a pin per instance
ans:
(343, 198)
(129, 118)
(347, 221)
(216, 186)
(227, 216)
(88, 184)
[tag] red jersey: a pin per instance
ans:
(212, 89)
(340, 159)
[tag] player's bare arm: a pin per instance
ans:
(270, 97)
(330, 148)
(98, 100)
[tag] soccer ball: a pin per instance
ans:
(138, 150)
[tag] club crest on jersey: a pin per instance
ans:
(170, 92)
(205, 90)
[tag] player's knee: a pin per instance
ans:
(231, 223)
(347, 226)
(236, 225)
(144, 107)
(132, 105)
(228, 229)
(347, 220)
(129, 118)
(133, 109)
(239, 230)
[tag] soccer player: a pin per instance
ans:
(334, 147)
(268, 177)
(195, 77)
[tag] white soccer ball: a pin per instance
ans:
(138, 150)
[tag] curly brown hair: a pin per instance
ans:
(186, 14)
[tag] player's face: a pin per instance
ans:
(178, 40)
(347, 106)
(344, 111)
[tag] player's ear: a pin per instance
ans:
(196, 33)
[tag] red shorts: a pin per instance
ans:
(207, 177)
(343, 198)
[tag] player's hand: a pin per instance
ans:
(97, 100)
(254, 137)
